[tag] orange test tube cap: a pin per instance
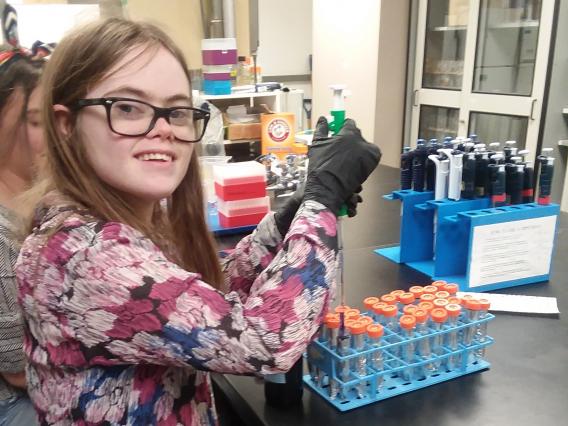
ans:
(453, 309)
(485, 304)
(408, 322)
(427, 297)
(430, 289)
(375, 330)
(417, 290)
(341, 309)
(370, 301)
(426, 306)
(389, 299)
(409, 309)
(442, 294)
(358, 327)
(390, 311)
(439, 315)
(451, 288)
(421, 315)
(366, 320)
(406, 298)
(352, 313)
(378, 308)
(440, 284)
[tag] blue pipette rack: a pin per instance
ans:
(436, 235)
(327, 361)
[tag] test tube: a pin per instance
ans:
(324, 330)
(423, 345)
(451, 288)
(352, 314)
(440, 303)
(439, 284)
(375, 333)
(358, 330)
(343, 349)
(405, 299)
(378, 312)
(429, 289)
(389, 313)
(368, 302)
(427, 297)
(333, 324)
(473, 308)
(407, 324)
(442, 294)
(389, 299)
(438, 317)
(417, 290)
(481, 334)
(396, 293)
(453, 361)
(454, 300)
(409, 309)
(340, 310)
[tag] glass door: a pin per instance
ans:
(487, 60)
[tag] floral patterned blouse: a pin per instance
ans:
(117, 334)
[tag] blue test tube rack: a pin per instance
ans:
(436, 235)
(327, 361)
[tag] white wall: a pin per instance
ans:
(285, 34)
(345, 45)
(50, 22)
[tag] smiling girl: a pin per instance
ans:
(126, 304)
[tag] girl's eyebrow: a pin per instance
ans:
(127, 90)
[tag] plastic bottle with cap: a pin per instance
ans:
(423, 345)
(358, 331)
(407, 325)
(374, 333)
(455, 300)
(453, 361)
(378, 312)
(439, 317)
(442, 294)
(366, 320)
(481, 333)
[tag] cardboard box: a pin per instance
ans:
(239, 131)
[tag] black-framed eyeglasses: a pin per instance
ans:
(132, 117)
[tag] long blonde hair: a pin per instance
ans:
(81, 60)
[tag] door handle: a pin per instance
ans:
(533, 103)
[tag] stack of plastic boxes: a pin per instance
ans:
(219, 56)
(241, 193)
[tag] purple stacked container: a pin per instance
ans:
(219, 56)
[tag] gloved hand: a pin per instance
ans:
(338, 165)
(285, 214)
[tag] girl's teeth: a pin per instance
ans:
(155, 156)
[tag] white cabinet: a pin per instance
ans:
(481, 68)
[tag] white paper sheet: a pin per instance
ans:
(511, 250)
(517, 303)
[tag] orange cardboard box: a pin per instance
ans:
(238, 131)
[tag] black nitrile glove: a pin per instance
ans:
(285, 214)
(338, 165)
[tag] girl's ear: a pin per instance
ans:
(62, 119)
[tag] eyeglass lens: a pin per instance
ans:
(134, 118)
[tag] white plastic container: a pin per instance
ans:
(239, 181)
(244, 207)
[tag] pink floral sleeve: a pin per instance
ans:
(107, 296)
(242, 265)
